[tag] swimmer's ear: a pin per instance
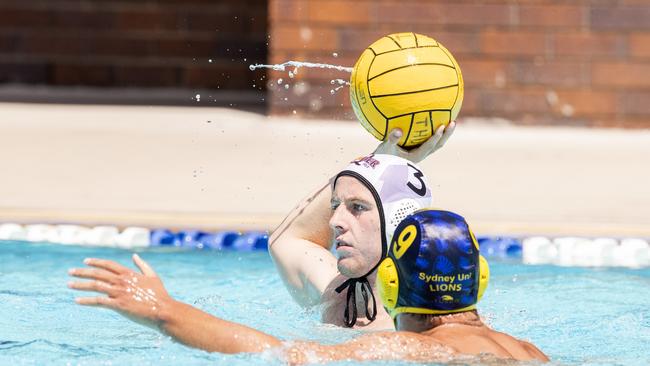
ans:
(145, 268)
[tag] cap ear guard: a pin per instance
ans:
(388, 283)
(483, 270)
(483, 275)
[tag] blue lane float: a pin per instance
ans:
(252, 241)
(500, 247)
(221, 240)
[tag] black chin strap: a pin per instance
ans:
(351, 301)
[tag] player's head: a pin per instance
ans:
(369, 199)
(433, 266)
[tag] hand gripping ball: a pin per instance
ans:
(409, 81)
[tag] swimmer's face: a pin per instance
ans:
(356, 226)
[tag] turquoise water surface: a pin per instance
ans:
(577, 316)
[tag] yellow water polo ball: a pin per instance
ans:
(406, 80)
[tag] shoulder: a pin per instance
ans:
(533, 351)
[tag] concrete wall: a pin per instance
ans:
(582, 62)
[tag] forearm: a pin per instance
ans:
(195, 328)
(307, 221)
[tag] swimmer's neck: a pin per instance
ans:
(427, 324)
(371, 277)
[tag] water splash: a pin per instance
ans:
(297, 65)
(340, 84)
(299, 89)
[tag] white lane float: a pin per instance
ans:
(583, 252)
(101, 236)
(40, 233)
(134, 237)
(12, 231)
(69, 234)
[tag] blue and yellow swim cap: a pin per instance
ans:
(433, 266)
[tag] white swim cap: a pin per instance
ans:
(399, 188)
(398, 185)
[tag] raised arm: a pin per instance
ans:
(300, 248)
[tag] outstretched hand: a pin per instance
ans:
(435, 142)
(138, 296)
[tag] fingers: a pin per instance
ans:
(431, 144)
(449, 130)
(93, 274)
(395, 135)
(95, 286)
(107, 265)
(100, 301)
(145, 268)
(440, 137)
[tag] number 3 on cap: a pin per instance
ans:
(404, 240)
(422, 189)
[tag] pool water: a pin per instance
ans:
(576, 315)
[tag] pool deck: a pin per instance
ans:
(215, 168)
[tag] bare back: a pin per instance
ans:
(441, 344)
(469, 339)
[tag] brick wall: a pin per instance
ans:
(139, 43)
(582, 62)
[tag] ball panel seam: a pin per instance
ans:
(397, 43)
(460, 77)
(402, 49)
(412, 92)
(411, 65)
(370, 97)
